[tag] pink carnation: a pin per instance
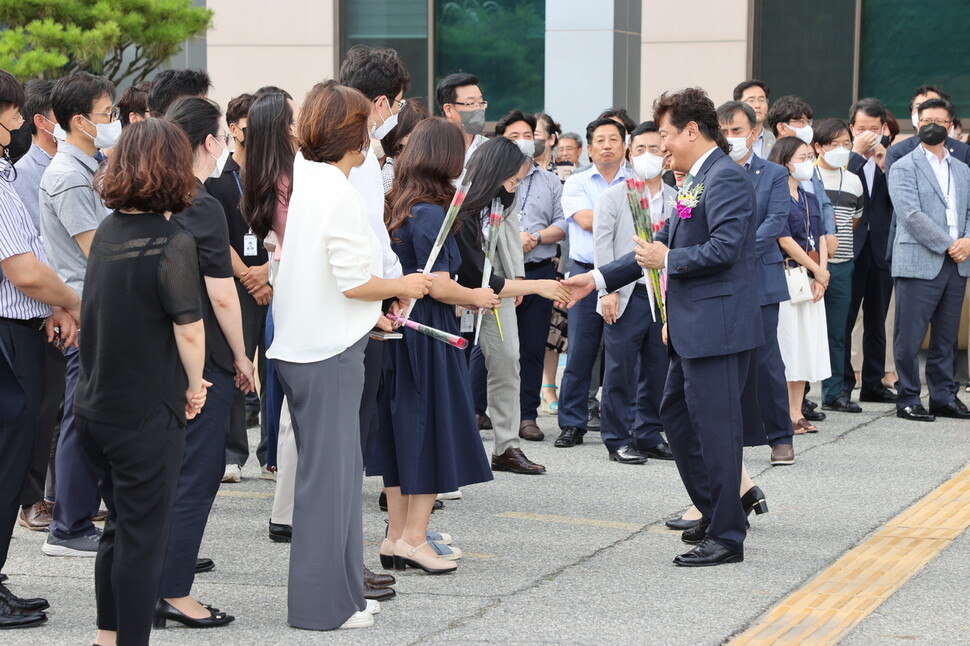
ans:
(683, 210)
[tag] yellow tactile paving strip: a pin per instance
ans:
(829, 606)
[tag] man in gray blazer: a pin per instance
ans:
(930, 191)
(631, 403)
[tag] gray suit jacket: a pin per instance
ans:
(922, 235)
(509, 261)
(613, 231)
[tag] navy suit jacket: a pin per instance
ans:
(772, 200)
(712, 293)
(897, 151)
(877, 213)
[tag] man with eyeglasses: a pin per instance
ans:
(570, 149)
(70, 212)
(460, 100)
(953, 146)
(755, 93)
(930, 191)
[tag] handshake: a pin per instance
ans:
(649, 255)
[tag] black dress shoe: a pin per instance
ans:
(204, 565)
(570, 436)
(382, 501)
(165, 611)
(955, 409)
(811, 414)
(754, 500)
(680, 524)
(880, 395)
(378, 594)
(375, 580)
(695, 535)
(628, 455)
(280, 533)
(24, 605)
(842, 404)
(915, 413)
(593, 423)
(484, 422)
(3, 577)
(11, 617)
(659, 452)
(708, 553)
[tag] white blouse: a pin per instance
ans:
(330, 248)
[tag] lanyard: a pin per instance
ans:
(528, 189)
(810, 241)
(235, 175)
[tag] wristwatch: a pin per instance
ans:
(537, 236)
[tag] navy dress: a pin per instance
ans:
(428, 441)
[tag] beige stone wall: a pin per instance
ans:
(288, 43)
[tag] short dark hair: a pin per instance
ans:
(784, 149)
(750, 83)
(76, 94)
(869, 106)
(644, 128)
(446, 92)
(271, 89)
(926, 89)
(929, 104)
(375, 71)
(333, 122)
(826, 131)
(598, 123)
(726, 112)
(786, 108)
(616, 112)
(134, 99)
(11, 91)
(413, 113)
(691, 104)
(38, 100)
(150, 169)
(512, 117)
(197, 117)
(238, 108)
(174, 84)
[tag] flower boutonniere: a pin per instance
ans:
(688, 197)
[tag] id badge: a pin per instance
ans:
(250, 244)
(467, 321)
(951, 216)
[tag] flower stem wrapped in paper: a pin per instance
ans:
(491, 241)
(642, 223)
(453, 340)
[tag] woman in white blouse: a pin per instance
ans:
(326, 300)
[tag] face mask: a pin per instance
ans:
(837, 158)
(19, 141)
(506, 197)
(59, 133)
(220, 162)
(915, 119)
(932, 134)
(107, 133)
(648, 165)
(527, 146)
(885, 141)
(739, 147)
(804, 133)
(473, 121)
(382, 130)
(540, 147)
(803, 170)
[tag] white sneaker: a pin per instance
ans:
(233, 473)
(83, 546)
(450, 495)
(359, 620)
(266, 474)
(373, 606)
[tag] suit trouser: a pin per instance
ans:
(772, 387)
(585, 328)
(273, 400)
(478, 376)
(202, 468)
(50, 406)
(936, 303)
(502, 365)
(872, 288)
(21, 390)
(702, 414)
(77, 483)
(326, 574)
(533, 317)
(139, 470)
(631, 401)
(254, 335)
(838, 298)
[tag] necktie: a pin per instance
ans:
(688, 180)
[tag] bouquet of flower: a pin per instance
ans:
(491, 241)
(640, 208)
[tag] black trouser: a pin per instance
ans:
(254, 339)
(21, 390)
(44, 445)
(533, 316)
(138, 470)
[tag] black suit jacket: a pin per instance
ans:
(877, 213)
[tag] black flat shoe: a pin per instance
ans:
(696, 535)
(680, 524)
(842, 404)
(955, 409)
(204, 565)
(754, 500)
(812, 415)
(628, 455)
(570, 436)
(879, 395)
(165, 611)
(708, 553)
(23, 605)
(280, 533)
(659, 452)
(915, 413)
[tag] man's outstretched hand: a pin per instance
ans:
(579, 287)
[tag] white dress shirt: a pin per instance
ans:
(941, 168)
(580, 193)
(369, 182)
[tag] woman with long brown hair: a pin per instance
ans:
(428, 441)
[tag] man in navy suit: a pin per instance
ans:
(770, 181)
(714, 320)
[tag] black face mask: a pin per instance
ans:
(19, 141)
(885, 141)
(506, 197)
(932, 134)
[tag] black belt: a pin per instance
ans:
(585, 265)
(33, 324)
(538, 263)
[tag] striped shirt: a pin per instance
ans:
(18, 235)
(844, 190)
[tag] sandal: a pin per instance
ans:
(797, 429)
(807, 426)
(552, 407)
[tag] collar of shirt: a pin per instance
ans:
(696, 168)
(620, 173)
(73, 151)
(933, 159)
(38, 154)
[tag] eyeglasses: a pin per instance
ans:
(799, 123)
(479, 104)
(568, 149)
(515, 181)
(223, 139)
(112, 114)
(832, 146)
(940, 122)
(803, 158)
(751, 100)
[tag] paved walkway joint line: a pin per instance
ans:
(570, 520)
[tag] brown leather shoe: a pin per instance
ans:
(529, 430)
(374, 580)
(37, 517)
(514, 460)
(378, 594)
(100, 516)
(782, 454)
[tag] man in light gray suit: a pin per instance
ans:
(631, 338)
(930, 191)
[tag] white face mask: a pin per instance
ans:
(59, 133)
(389, 124)
(648, 165)
(803, 170)
(915, 119)
(837, 158)
(805, 133)
(107, 133)
(739, 147)
(220, 162)
(527, 146)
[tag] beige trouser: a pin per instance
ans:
(502, 363)
(285, 470)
